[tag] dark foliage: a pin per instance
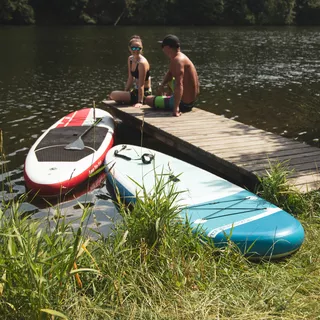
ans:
(155, 12)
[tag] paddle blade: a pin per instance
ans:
(75, 145)
(78, 144)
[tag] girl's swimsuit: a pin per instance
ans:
(134, 95)
(135, 73)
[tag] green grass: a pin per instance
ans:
(153, 266)
(275, 187)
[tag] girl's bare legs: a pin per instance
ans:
(121, 96)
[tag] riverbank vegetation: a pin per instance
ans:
(152, 266)
(166, 12)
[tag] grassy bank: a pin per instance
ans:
(154, 267)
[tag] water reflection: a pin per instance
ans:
(101, 220)
(95, 196)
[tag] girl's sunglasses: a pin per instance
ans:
(135, 48)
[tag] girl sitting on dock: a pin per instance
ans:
(139, 81)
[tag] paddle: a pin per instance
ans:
(78, 144)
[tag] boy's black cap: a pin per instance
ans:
(171, 41)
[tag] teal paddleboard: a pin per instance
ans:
(222, 209)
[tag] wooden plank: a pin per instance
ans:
(201, 125)
(296, 164)
(211, 136)
(185, 118)
(230, 148)
(301, 155)
(306, 182)
(310, 179)
(254, 154)
(216, 133)
(278, 156)
(220, 129)
(253, 145)
(310, 170)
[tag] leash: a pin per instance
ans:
(146, 157)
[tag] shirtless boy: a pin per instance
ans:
(182, 73)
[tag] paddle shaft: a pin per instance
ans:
(87, 130)
(78, 143)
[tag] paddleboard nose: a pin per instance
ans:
(285, 235)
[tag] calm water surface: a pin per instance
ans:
(266, 77)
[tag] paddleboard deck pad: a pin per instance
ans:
(56, 163)
(225, 212)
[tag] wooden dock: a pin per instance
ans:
(236, 151)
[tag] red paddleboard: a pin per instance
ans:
(67, 153)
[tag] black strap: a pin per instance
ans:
(146, 157)
(116, 153)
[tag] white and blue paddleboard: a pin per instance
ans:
(223, 210)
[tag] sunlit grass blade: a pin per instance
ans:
(54, 313)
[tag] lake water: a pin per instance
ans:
(268, 77)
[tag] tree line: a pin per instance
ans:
(160, 12)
